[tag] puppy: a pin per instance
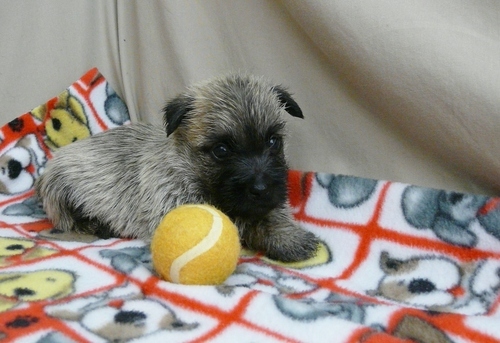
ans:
(223, 145)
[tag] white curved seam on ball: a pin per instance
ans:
(204, 245)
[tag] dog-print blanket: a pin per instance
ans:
(397, 263)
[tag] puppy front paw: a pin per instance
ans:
(291, 245)
(279, 237)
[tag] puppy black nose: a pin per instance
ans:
(259, 188)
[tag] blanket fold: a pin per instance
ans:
(398, 263)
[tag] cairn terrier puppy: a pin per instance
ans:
(223, 144)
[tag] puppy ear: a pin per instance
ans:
(286, 99)
(175, 111)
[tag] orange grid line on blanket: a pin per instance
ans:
(85, 86)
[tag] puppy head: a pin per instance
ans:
(232, 129)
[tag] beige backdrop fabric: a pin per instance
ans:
(397, 90)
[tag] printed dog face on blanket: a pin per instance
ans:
(14, 178)
(120, 315)
(66, 122)
(13, 250)
(427, 281)
(34, 286)
(129, 320)
(20, 164)
(224, 145)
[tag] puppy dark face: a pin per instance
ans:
(233, 131)
(247, 171)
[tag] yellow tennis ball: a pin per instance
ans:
(195, 245)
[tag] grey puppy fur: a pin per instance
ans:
(223, 145)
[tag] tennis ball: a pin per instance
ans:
(195, 245)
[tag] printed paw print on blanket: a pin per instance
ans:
(346, 191)
(30, 207)
(336, 305)
(450, 214)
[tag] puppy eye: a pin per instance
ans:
(274, 142)
(220, 151)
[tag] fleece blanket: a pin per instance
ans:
(398, 263)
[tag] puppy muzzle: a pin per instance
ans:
(259, 188)
(263, 184)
